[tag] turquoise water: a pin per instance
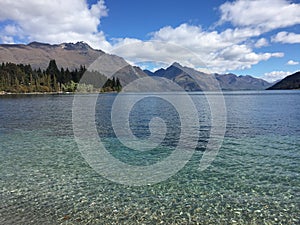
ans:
(253, 180)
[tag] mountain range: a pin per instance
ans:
(186, 78)
(72, 55)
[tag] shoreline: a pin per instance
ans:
(52, 93)
(33, 93)
(2, 93)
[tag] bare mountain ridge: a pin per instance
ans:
(38, 55)
(234, 82)
(192, 80)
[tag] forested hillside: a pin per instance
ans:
(19, 78)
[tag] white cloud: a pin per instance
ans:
(265, 15)
(55, 21)
(276, 75)
(292, 63)
(11, 29)
(7, 39)
(261, 43)
(285, 37)
(194, 47)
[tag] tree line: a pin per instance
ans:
(20, 78)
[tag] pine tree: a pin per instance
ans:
(53, 71)
(118, 85)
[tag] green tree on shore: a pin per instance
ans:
(20, 78)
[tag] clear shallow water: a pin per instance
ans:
(254, 179)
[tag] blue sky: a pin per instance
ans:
(136, 19)
(256, 37)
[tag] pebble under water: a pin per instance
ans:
(253, 180)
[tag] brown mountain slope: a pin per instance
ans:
(69, 55)
(39, 54)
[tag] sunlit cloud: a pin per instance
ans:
(292, 63)
(286, 38)
(54, 21)
(276, 75)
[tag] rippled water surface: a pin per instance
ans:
(254, 179)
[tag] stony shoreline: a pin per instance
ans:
(2, 93)
(33, 93)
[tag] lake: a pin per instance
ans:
(254, 179)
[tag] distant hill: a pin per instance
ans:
(234, 82)
(290, 82)
(192, 80)
(72, 56)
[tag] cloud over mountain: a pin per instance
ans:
(219, 51)
(53, 21)
(276, 75)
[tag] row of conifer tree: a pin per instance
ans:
(20, 78)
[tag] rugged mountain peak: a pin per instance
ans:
(176, 64)
(77, 46)
(81, 45)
